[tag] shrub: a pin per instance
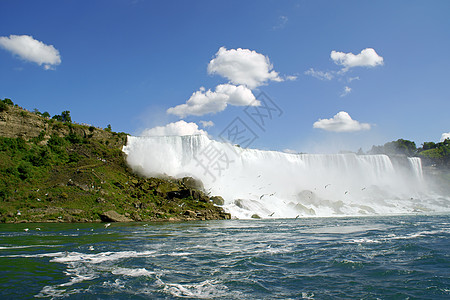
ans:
(7, 101)
(25, 170)
(3, 106)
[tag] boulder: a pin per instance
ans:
(200, 196)
(192, 183)
(217, 200)
(113, 216)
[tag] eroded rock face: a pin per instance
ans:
(113, 216)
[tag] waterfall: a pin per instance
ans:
(275, 184)
(416, 166)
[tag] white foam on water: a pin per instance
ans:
(28, 246)
(83, 267)
(271, 184)
(180, 253)
(99, 257)
(132, 272)
(204, 290)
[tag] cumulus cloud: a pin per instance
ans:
(243, 67)
(367, 58)
(320, 74)
(341, 122)
(204, 102)
(347, 90)
(445, 135)
(29, 49)
(207, 124)
(179, 128)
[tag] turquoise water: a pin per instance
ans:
(396, 257)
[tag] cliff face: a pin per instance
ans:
(52, 171)
(16, 122)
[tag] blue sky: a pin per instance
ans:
(125, 63)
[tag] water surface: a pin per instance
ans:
(396, 257)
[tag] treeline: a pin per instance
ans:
(436, 154)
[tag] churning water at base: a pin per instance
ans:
(270, 184)
(395, 257)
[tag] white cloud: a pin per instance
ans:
(341, 122)
(204, 102)
(350, 79)
(243, 66)
(179, 128)
(291, 77)
(445, 135)
(320, 74)
(29, 49)
(207, 124)
(347, 90)
(367, 58)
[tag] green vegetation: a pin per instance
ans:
(435, 154)
(4, 104)
(399, 146)
(74, 173)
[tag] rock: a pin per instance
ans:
(178, 194)
(166, 187)
(217, 200)
(101, 200)
(192, 183)
(200, 196)
(113, 216)
(225, 216)
(304, 210)
(239, 203)
(255, 216)
(190, 213)
(136, 217)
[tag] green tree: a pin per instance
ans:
(65, 115)
(400, 146)
(57, 118)
(8, 101)
(428, 145)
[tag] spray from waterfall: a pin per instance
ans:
(271, 184)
